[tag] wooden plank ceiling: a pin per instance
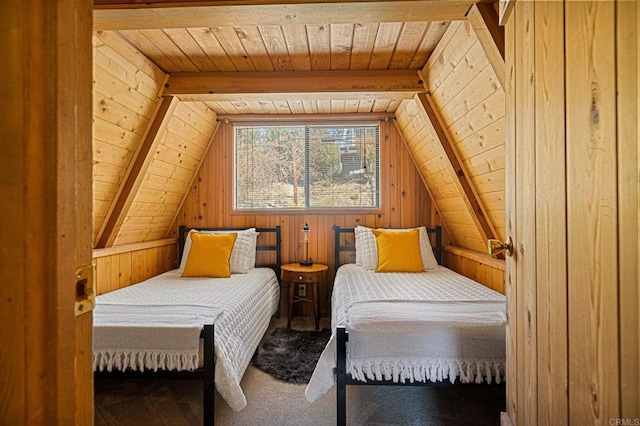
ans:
(268, 58)
(294, 40)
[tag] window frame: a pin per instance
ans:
(377, 121)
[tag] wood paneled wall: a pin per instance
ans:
(126, 91)
(124, 265)
(480, 267)
(171, 171)
(405, 203)
(468, 102)
(143, 188)
(572, 142)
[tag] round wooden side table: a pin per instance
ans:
(293, 274)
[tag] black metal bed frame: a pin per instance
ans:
(342, 336)
(207, 373)
(209, 367)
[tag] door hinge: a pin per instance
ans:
(85, 289)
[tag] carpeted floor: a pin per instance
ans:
(272, 402)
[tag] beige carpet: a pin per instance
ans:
(121, 401)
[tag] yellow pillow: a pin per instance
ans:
(209, 255)
(398, 251)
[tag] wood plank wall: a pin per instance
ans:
(405, 203)
(126, 91)
(480, 267)
(433, 166)
(572, 75)
(128, 264)
(173, 167)
(627, 26)
(469, 103)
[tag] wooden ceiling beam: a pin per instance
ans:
(484, 20)
(359, 84)
(299, 96)
(135, 173)
(459, 172)
(136, 15)
(353, 117)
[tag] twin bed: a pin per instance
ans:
(430, 326)
(168, 321)
(434, 326)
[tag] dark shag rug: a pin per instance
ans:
(291, 355)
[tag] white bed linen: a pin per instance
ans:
(167, 311)
(433, 325)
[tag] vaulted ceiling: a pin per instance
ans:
(241, 45)
(165, 71)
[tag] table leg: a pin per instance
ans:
(316, 305)
(292, 289)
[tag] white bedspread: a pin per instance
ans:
(157, 323)
(434, 326)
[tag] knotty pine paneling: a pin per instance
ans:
(592, 200)
(405, 203)
(323, 46)
(572, 144)
(470, 103)
(479, 267)
(627, 24)
(526, 273)
(550, 187)
(434, 168)
(125, 268)
(126, 89)
(175, 162)
(303, 105)
(393, 45)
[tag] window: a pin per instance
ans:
(307, 167)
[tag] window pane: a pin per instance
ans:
(268, 162)
(344, 166)
(296, 167)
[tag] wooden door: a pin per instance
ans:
(536, 186)
(45, 193)
(572, 195)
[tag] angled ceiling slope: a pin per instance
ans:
(456, 132)
(272, 58)
(276, 36)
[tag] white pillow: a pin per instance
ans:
(367, 250)
(243, 255)
(428, 257)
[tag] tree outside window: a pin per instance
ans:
(307, 167)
